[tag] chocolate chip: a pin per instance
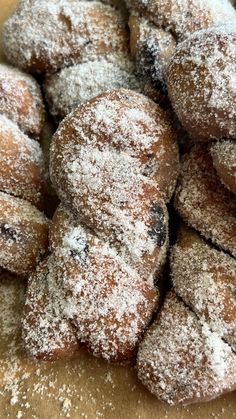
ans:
(150, 64)
(10, 233)
(80, 255)
(158, 230)
(150, 165)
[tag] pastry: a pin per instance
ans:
(46, 334)
(203, 202)
(22, 169)
(205, 279)
(23, 234)
(200, 83)
(21, 100)
(185, 16)
(71, 86)
(181, 361)
(64, 32)
(224, 160)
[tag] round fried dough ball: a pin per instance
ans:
(123, 126)
(76, 84)
(145, 250)
(22, 169)
(45, 35)
(183, 17)
(21, 100)
(23, 235)
(181, 361)
(201, 83)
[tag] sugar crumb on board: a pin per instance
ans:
(83, 386)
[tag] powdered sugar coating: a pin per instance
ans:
(21, 99)
(181, 360)
(46, 333)
(76, 84)
(109, 304)
(183, 17)
(108, 163)
(203, 202)
(141, 242)
(224, 159)
(23, 235)
(64, 32)
(22, 171)
(206, 279)
(201, 81)
(118, 122)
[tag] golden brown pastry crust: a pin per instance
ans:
(205, 279)
(199, 80)
(65, 32)
(224, 159)
(21, 100)
(107, 301)
(181, 360)
(184, 17)
(23, 235)
(203, 202)
(47, 335)
(22, 169)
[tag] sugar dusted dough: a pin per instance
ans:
(29, 387)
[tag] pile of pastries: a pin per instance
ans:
(138, 261)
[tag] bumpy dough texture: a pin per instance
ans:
(44, 35)
(112, 161)
(23, 235)
(76, 84)
(115, 123)
(181, 360)
(205, 279)
(203, 202)
(182, 17)
(22, 169)
(21, 100)
(201, 83)
(224, 159)
(46, 333)
(108, 303)
(144, 252)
